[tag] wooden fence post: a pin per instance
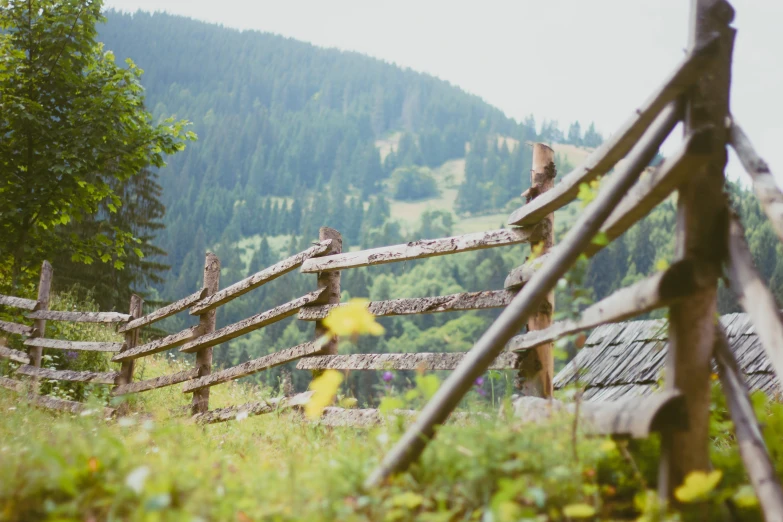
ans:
(702, 234)
(131, 340)
(44, 288)
(536, 367)
(330, 281)
(206, 324)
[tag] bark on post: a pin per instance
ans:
(702, 233)
(44, 288)
(330, 281)
(206, 324)
(131, 341)
(536, 367)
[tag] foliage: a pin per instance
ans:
(283, 467)
(74, 129)
(411, 183)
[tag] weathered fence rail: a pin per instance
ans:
(695, 93)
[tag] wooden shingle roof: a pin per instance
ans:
(626, 359)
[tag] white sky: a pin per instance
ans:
(557, 59)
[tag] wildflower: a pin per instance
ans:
(387, 376)
(324, 390)
(352, 318)
(71, 354)
(480, 381)
(698, 485)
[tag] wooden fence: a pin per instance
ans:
(709, 237)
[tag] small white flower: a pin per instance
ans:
(242, 415)
(136, 478)
(87, 413)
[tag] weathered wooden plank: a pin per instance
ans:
(14, 355)
(397, 361)
(750, 440)
(764, 184)
(163, 312)
(12, 384)
(252, 323)
(79, 317)
(515, 315)
(637, 417)
(425, 248)
(18, 302)
(655, 186)
(254, 366)
(207, 323)
(656, 291)
(158, 382)
(159, 345)
(253, 408)
(370, 417)
(620, 143)
(422, 305)
(67, 375)
(520, 275)
(755, 297)
(53, 403)
(16, 328)
(87, 346)
(45, 401)
(259, 278)
(330, 283)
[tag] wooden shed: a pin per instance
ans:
(624, 360)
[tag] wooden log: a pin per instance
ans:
(657, 291)
(421, 305)
(16, 328)
(657, 185)
(397, 361)
(163, 312)
(491, 344)
(79, 317)
(14, 355)
(12, 384)
(68, 375)
(425, 248)
(750, 440)
(764, 184)
(253, 408)
(206, 324)
(254, 366)
(252, 323)
(158, 345)
(537, 368)
(44, 289)
(45, 401)
(86, 346)
(702, 231)
(617, 146)
(264, 276)
(367, 418)
(18, 302)
(125, 375)
(754, 297)
(329, 283)
(638, 417)
(158, 382)
(52, 403)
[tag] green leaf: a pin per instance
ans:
(579, 511)
(600, 239)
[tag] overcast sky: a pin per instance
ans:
(556, 59)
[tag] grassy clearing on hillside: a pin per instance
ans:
(157, 465)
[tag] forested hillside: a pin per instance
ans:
(293, 137)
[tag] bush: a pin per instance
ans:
(412, 183)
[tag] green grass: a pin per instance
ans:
(155, 465)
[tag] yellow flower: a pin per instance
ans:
(579, 511)
(697, 486)
(324, 389)
(352, 319)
